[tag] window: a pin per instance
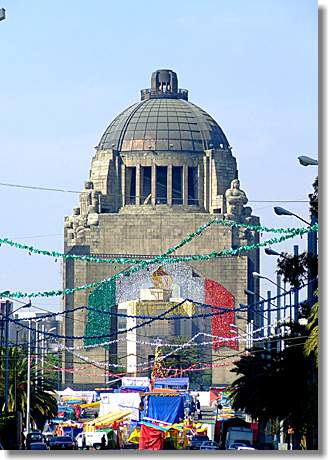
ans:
(193, 185)
(130, 185)
(161, 184)
(146, 184)
(177, 197)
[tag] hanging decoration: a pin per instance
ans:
(161, 259)
(134, 260)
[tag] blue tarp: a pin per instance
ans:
(166, 408)
(172, 382)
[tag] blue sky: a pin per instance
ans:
(69, 67)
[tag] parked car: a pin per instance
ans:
(239, 445)
(39, 446)
(197, 441)
(62, 442)
(34, 436)
(209, 445)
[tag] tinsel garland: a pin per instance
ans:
(159, 357)
(127, 260)
(162, 259)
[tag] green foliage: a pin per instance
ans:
(43, 402)
(184, 358)
(314, 199)
(293, 268)
(312, 342)
(273, 384)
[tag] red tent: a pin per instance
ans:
(150, 438)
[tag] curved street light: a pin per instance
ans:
(307, 161)
(272, 252)
(258, 275)
(285, 212)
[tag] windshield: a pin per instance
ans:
(63, 438)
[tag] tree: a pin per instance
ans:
(314, 199)
(43, 402)
(311, 344)
(277, 384)
(187, 357)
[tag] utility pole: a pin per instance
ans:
(42, 354)
(7, 313)
(36, 349)
(28, 398)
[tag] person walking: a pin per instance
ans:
(84, 442)
(103, 442)
(199, 413)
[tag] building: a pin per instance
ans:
(162, 168)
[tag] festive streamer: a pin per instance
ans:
(127, 260)
(162, 259)
(162, 358)
(221, 311)
(119, 260)
(168, 345)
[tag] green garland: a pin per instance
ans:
(164, 259)
(126, 260)
(103, 297)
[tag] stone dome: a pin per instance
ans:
(164, 120)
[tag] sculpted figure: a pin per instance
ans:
(235, 199)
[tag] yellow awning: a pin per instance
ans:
(94, 404)
(108, 418)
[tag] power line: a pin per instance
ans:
(49, 189)
(36, 187)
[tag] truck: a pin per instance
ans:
(238, 434)
(235, 429)
(92, 439)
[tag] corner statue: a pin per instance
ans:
(235, 200)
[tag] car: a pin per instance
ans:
(239, 445)
(39, 446)
(245, 448)
(209, 445)
(197, 440)
(34, 436)
(62, 442)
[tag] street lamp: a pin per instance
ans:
(258, 275)
(307, 161)
(2, 14)
(285, 212)
(43, 346)
(248, 292)
(272, 252)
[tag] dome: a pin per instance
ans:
(164, 120)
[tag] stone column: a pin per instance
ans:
(153, 184)
(169, 185)
(201, 183)
(185, 185)
(123, 184)
(138, 185)
(206, 182)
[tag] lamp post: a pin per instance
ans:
(307, 161)
(285, 212)
(272, 252)
(6, 317)
(28, 392)
(43, 346)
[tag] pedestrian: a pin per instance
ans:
(84, 442)
(103, 442)
(199, 413)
